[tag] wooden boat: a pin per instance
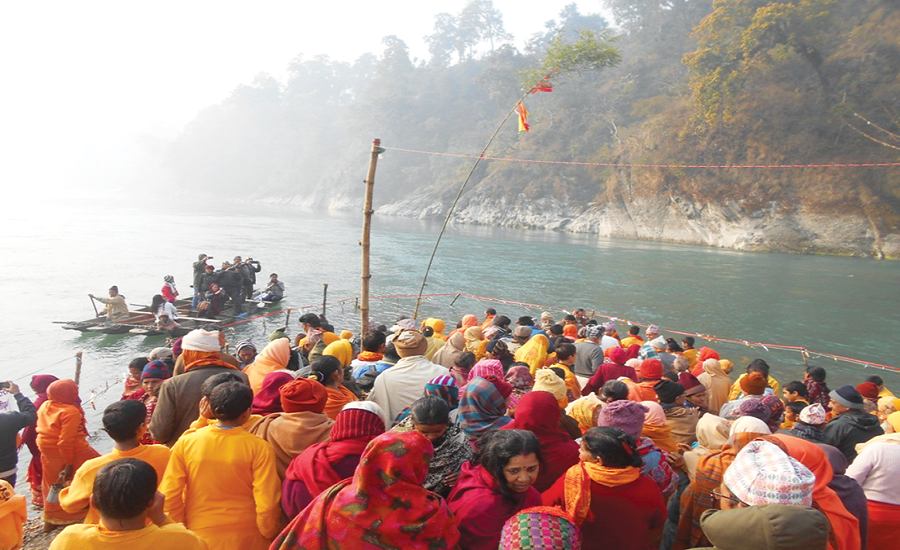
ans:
(143, 322)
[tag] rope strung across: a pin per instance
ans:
(631, 165)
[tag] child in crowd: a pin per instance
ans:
(221, 481)
(792, 414)
(125, 422)
(13, 514)
(133, 380)
(131, 514)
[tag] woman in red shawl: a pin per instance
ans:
(39, 383)
(382, 506)
(322, 465)
(607, 496)
(539, 413)
(268, 400)
(495, 489)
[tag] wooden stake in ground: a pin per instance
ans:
(367, 226)
(78, 367)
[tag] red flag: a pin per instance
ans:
(543, 86)
(523, 117)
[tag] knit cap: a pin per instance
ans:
(626, 415)
(763, 474)
(540, 528)
(547, 380)
(653, 329)
(754, 383)
(848, 397)
(868, 390)
(303, 394)
(609, 325)
(755, 408)
(651, 369)
(618, 356)
(355, 423)
(668, 391)
(156, 369)
(201, 340)
(659, 343)
(814, 415)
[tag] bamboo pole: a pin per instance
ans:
(78, 367)
(365, 243)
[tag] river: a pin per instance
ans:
(59, 251)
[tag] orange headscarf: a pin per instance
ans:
(467, 322)
(275, 356)
(570, 332)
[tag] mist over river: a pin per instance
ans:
(58, 252)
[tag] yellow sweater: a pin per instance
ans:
(736, 387)
(95, 537)
(77, 496)
(222, 484)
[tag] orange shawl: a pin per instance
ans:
(578, 485)
(337, 398)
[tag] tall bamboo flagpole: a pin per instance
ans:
(365, 242)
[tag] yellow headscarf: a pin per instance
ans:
(342, 349)
(438, 325)
(473, 338)
(534, 352)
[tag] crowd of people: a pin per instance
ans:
(534, 435)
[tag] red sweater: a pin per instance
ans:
(628, 517)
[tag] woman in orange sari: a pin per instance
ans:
(62, 439)
(327, 370)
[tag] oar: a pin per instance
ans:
(93, 303)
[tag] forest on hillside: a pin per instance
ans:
(696, 82)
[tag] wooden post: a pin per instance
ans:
(78, 367)
(367, 226)
(324, 298)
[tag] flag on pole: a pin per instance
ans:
(543, 86)
(523, 117)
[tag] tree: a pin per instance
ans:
(444, 41)
(740, 35)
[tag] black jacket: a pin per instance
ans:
(206, 280)
(10, 424)
(846, 430)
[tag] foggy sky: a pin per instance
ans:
(88, 85)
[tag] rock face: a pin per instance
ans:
(675, 220)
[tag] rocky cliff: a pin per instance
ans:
(677, 220)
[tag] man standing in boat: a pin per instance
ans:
(248, 270)
(199, 271)
(232, 282)
(115, 304)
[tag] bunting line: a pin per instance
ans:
(636, 165)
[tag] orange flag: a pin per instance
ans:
(523, 117)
